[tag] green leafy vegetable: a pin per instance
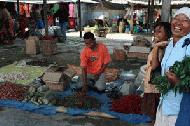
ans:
(182, 71)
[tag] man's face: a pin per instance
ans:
(90, 43)
(180, 25)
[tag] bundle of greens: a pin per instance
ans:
(182, 71)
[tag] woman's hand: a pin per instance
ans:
(172, 78)
(161, 44)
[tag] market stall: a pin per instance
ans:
(35, 86)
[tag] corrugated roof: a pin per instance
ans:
(37, 1)
(145, 2)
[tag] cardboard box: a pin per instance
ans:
(54, 74)
(70, 72)
(32, 45)
(55, 78)
(138, 52)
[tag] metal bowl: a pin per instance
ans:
(127, 76)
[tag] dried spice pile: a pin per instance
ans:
(130, 104)
(12, 91)
(182, 71)
(85, 102)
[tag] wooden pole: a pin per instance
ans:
(152, 16)
(79, 16)
(18, 9)
(148, 23)
(131, 21)
(45, 16)
(166, 9)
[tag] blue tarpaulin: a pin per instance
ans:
(50, 110)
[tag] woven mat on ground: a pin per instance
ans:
(50, 110)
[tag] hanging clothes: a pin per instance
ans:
(22, 9)
(27, 11)
(71, 10)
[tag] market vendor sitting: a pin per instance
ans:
(94, 59)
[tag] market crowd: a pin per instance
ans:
(30, 18)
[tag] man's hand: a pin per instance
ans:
(172, 78)
(84, 89)
(96, 77)
(83, 92)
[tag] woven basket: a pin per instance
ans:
(57, 86)
(49, 47)
(119, 54)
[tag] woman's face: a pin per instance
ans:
(160, 34)
(180, 26)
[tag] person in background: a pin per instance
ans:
(6, 25)
(162, 34)
(94, 60)
(169, 106)
(63, 15)
(38, 17)
(12, 9)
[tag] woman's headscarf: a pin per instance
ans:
(183, 10)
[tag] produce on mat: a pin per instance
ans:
(111, 74)
(182, 71)
(12, 91)
(21, 75)
(39, 94)
(14, 76)
(85, 102)
(38, 62)
(130, 104)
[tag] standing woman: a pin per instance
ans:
(169, 105)
(162, 34)
(6, 25)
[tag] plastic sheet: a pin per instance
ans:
(50, 110)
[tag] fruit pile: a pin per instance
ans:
(12, 91)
